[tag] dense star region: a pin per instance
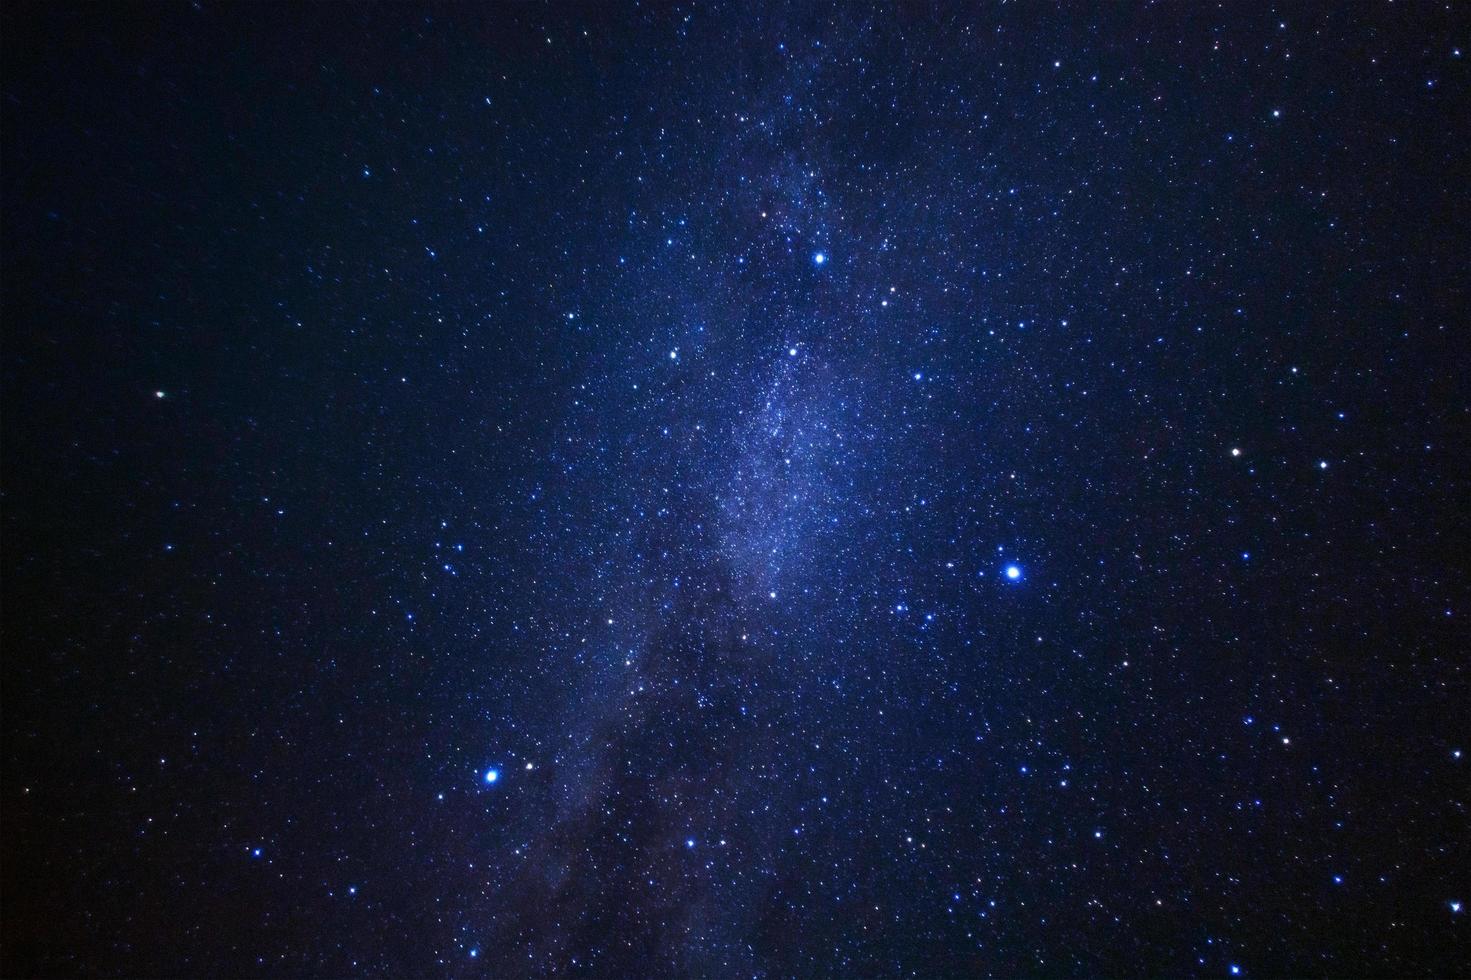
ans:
(735, 490)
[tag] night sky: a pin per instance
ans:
(640, 490)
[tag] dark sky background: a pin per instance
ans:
(628, 489)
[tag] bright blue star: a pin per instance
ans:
(818, 258)
(491, 775)
(1013, 572)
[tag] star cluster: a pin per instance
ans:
(643, 490)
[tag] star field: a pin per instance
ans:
(716, 490)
